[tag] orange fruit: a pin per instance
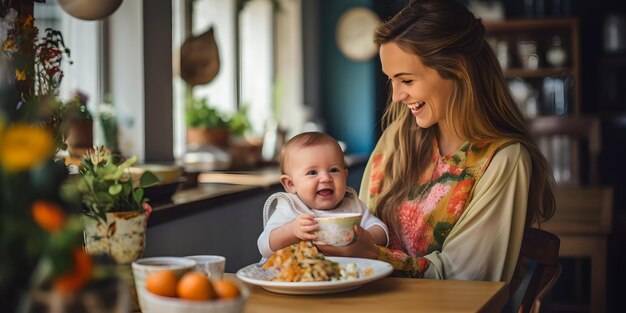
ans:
(226, 289)
(195, 286)
(162, 283)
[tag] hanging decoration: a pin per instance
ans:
(89, 9)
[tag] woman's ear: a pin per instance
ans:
(287, 183)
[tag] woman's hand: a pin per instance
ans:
(362, 247)
(303, 226)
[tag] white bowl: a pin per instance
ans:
(336, 229)
(143, 268)
(165, 173)
(159, 304)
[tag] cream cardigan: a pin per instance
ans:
(485, 242)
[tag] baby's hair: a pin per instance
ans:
(303, 140)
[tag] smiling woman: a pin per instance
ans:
(456, 163)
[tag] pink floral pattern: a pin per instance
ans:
(434, 205)
(376, 176)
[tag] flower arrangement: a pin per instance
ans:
(41, 230)
(106, 184)
(40, 225)
(35, 63)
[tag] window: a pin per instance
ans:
(245, 44)
(83, 40)
(260, 55)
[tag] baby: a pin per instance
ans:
(314, 177)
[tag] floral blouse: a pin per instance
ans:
(434, 204)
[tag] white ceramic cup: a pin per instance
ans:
(336, 229)
(142, 268)
(211, 265)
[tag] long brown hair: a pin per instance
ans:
(448, 38)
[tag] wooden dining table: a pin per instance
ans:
(389, 294)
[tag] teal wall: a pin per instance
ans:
(347, 87)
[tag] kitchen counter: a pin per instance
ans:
(221, 186)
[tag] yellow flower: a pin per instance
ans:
(9, 46)
(28, 21)
(20, 75)
(23, 146)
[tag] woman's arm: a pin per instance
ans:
(378, 234)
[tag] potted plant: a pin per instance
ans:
(205, 124)
(114, 204)
(244, 149)
(79, 124)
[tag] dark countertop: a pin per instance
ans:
(223, 187)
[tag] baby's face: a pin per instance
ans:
(318, 175)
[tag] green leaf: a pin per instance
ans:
(138, 195)
(115, 189)
(148, 178)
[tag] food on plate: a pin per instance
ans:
(302, 262)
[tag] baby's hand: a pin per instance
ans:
(303, 226)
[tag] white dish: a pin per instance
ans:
(255, 274)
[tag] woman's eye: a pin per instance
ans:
(311, 172)
(407, 81)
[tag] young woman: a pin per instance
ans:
(455, 176)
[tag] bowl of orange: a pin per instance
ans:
(194, 292)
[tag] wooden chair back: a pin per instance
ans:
(540, 249)
(560, 139)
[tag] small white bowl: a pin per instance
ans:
(211, 265)
(159, 304)
(336, 229)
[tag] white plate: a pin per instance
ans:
(255, 274)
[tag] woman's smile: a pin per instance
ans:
(415, 107)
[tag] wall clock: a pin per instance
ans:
(355, 33)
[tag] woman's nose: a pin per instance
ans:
(398, 95)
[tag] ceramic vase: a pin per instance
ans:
(121, 235)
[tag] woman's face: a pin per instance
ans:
(420, 88)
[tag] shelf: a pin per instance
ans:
(540, 33)
(539, 73)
